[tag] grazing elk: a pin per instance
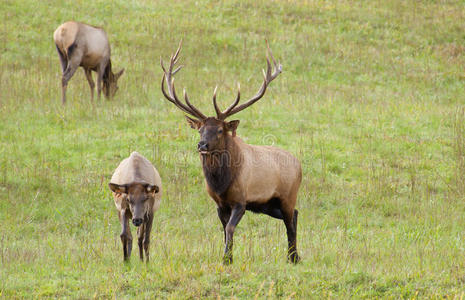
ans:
(136, 187)
(87, 46)
(239, 176)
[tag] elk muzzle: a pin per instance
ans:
(202, 146)
(137, 222)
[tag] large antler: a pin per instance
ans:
(171, 95)
(268, 76)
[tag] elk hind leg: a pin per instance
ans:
(63, 60)
(71, 68)
(88, 73)
(290, 220)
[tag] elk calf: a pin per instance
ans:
(136, 187)
(239, 176)
(87, 46)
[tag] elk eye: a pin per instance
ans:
(220, 131)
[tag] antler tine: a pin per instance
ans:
(171, 94)
(268, 76)
(202, 116)
(217, 109)
(174, 99)
(238, 97)
(163, 89)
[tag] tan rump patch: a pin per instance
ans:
(65, 35)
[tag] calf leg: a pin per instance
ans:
(148, 229)
(236, 215)
(88, 73)
(126, 237)
(140, 240)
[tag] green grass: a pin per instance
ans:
(371, 101)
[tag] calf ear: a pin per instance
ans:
(232, 126)
(152, 188)
(119, 189)
(118, 75)
(195, 124)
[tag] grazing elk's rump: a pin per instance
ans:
(137, 190)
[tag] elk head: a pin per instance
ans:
(110, 83)
(213, 130)
(139, 199)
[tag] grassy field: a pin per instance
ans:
(371, 100)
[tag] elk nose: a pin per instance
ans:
(202, 146)
(137, 222)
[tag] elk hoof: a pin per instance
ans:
(227, 260)
(293, 258)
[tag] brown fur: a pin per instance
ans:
(79, 44)
(136, 187)
(261, 179)
(239, 176)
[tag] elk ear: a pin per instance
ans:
(152, 188)
(195, 124)
(119, 189)
(118, 75)
(232, 126)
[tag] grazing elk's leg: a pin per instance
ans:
(236, 215)
(148, 229)
(63, 60)
(101, 70)
(73, 64)
(290, 220)
(224, 213)
(140, 240)
(88, 73)
(126, 238)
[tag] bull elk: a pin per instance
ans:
(87, 46)
(240, 177)
(136, 187)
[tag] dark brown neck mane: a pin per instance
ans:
(221, 166)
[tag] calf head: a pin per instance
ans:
(140, 198)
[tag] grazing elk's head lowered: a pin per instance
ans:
(79, 44)
(239, 176)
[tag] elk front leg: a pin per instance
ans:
(224, 213)
(148, 229)
(236, 215)
(126, 237)
(100, 73)
(140, 240)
